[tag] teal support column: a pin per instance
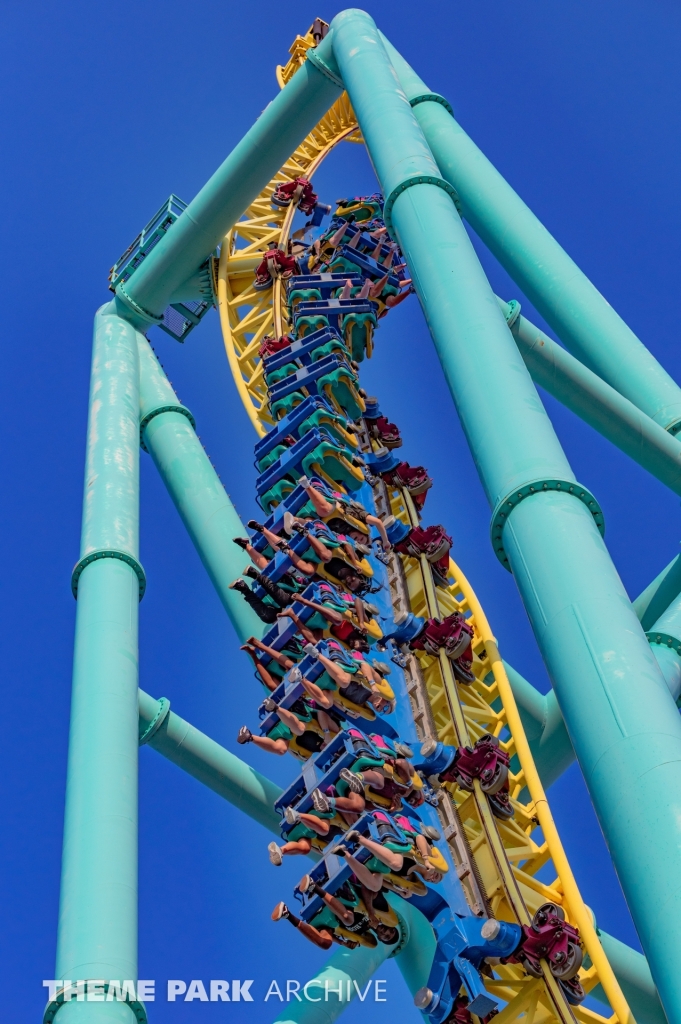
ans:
(665, 638)
(659, 594)
(98, 905)
(265, 148)
(167, 432)
(208, 762)
(544, 726)
(619, 714)
(632, 971)
(596, 402)
(564, 296)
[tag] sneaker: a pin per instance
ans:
(244, 735)
(430, 832)
(276, 857)
(400, 617)
(251, 572)
(289, 520)
(295, 675)
(354, 780)
(403, 749)
(291, 816)
(281, 910)
(311, 650)
(351, 835)
(269, 704)
(306, 884)
(304, 481)
(253, 525)
(320, 802)
(389, 521)
(428, 747)
(243, 542)
(238, 584)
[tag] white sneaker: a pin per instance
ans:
(276, 856)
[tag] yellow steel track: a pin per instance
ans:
(498, 861)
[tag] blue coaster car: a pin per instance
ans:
(330, 377)
(316, 454)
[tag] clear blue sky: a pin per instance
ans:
(109, 109)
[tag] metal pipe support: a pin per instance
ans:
(618, 711)
(584, 321)
(204, 506)
(97, 935)
(213, 765)
(596, 402)
(265, 148)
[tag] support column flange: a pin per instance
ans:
(94, 556)
(507, 504)
(53, 1006)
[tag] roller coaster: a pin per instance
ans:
(423, 756)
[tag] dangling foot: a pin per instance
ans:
(243, 542)
(403, 750)
(355, 780)
(291, 816)
(252, 525)
(270, 705)
(239, 585)
(244, 735)
(276, 856)
(430, 832)
(251, 572)
(289, 522)
(311, 650)
(320, 802)
(280, 911)
(303, 481)
(306, 884)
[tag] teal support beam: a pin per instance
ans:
(265, 148)
(564, 296)
(659, 594)
(97, 936)
(632, 971)
(596, 402)
(619, 714)
(658, 609)
(167, 432)
(204, 759)
(543, 723)
(665, 637)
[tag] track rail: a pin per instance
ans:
(502, 864)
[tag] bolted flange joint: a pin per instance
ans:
(94, 556)
(506, 505)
